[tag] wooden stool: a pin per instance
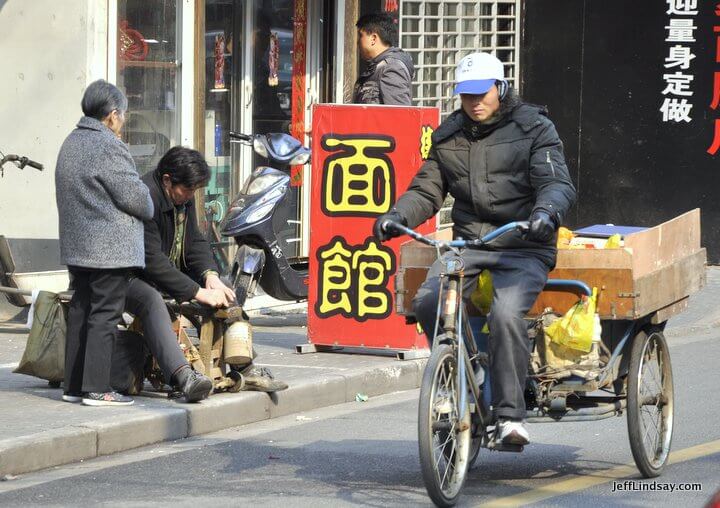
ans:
(209, 358)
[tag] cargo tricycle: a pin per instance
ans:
(627, 370)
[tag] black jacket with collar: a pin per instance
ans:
(387, 79)
(496, 175)
(197, 256)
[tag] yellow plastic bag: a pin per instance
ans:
(482, 296)
(613, 242)
(564, 238)
(576, 328)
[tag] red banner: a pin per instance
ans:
(297, 126)
(363, 158)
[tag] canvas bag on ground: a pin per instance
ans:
(44, 355)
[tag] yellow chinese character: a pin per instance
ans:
(335, 279)
(374, 267)
(359, 180)
(353, 280)
(425, 141)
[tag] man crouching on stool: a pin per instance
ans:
(179, 262)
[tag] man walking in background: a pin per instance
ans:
(387, 78)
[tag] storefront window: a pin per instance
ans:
(148, 73)
(221, 62)
(274, 41)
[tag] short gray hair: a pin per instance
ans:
(101, 98)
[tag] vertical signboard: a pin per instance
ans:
(363, 158)
(634, 91)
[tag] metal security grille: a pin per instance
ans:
(437, 34)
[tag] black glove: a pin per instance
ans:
(542, 227)
(383, 235)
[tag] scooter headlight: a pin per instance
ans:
(300, 158)
(261, 183)
(259, 147)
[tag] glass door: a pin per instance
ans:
(222, 63)
(259, 77)
(277, 42)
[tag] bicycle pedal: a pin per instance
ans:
(504, 447)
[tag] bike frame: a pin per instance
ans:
(457, 329)
(460, 335)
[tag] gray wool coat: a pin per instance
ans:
(101, 200)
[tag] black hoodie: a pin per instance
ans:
(386, 80)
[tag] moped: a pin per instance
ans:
(257, 220)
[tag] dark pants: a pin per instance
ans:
(145, 303)
(94, 313)
(517, 280)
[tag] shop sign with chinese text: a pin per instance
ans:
(363, 159)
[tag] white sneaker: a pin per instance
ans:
(510, 432)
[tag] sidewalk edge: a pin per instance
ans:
(85, 441)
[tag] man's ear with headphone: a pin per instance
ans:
(502, 87)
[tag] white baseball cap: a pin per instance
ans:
(477, 73)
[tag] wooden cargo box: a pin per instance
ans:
(655, 272)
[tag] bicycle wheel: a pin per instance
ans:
(650, 405)
(444, 441)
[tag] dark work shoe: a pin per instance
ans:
(107, 399)
(260, 379)
(72, 397)
(192, 384)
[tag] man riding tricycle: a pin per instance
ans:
(503, 163)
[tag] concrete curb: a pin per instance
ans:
(86, 441)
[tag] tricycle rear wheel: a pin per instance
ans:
(650, 404)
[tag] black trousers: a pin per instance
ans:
(517, 280)
(146, 303)
(94, 313)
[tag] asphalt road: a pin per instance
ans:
(365, 454)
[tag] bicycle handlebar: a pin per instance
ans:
(21, 161)
(239, 136)
(523, 226)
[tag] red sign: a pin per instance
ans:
(363, 158)
(297, 125)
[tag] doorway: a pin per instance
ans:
(265, 63)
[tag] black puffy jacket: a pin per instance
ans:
(387, 79)
(495, 178)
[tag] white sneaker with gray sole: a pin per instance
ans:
(510, 432)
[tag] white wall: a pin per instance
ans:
(50, 51)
